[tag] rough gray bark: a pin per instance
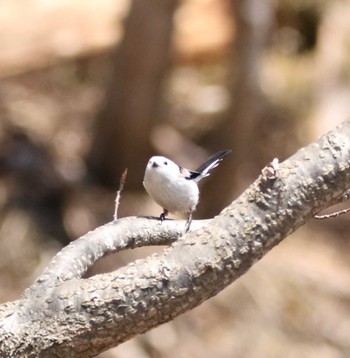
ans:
(64, 315)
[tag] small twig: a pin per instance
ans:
(332, 215)
(117, 198)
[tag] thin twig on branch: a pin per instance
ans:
(117, 198)
(332, 215)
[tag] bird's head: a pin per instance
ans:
(163, 166)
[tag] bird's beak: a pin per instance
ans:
(155, 165)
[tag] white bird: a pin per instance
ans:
(175, 188)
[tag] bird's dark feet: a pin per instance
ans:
(188, 222)
(163, 215)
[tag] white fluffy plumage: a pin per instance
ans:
(175, 188)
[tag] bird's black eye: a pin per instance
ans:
(165, 162)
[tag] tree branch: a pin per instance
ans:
(64, 315)
(74, 260)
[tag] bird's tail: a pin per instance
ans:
(204, 170)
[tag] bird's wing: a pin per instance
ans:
(193, 174)
(204, 170)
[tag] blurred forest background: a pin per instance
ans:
(90, 87)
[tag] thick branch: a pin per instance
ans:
(73, 261)
(82, 317)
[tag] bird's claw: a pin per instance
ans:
(163, 215)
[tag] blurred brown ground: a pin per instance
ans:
(55, 60)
